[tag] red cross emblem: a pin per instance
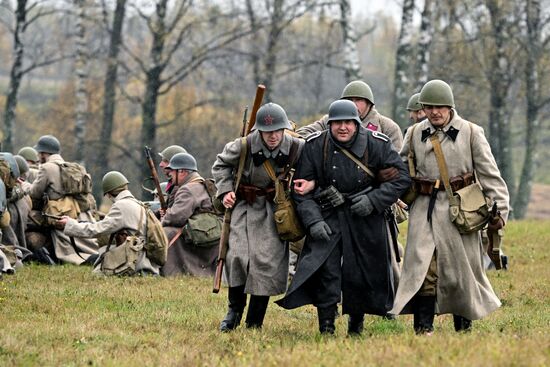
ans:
(268, 120)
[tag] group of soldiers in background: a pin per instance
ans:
(346, 172)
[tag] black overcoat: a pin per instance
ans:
(366, 269)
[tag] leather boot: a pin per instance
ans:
(462, 323)
(256, 311)
(355, 324)
(326, 317)
(424, 313)
(237, 302)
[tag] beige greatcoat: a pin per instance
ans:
(462, 287)
(125, 213)
(185, 258)
(48, 181)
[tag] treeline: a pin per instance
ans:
(108, 77)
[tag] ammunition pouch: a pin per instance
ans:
(329, 198)
(249, 193)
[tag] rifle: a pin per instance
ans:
(155, 177)
(56, 217)
(493, 251)
(224, 238)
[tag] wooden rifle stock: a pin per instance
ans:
(224, 238)
(155, 177)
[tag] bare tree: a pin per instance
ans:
(81, 70)
(351, 56)
(424, 42)
(403, 58)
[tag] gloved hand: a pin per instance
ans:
(361, 205)
(387, 174)
(320, 231)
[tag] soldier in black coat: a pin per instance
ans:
(346, 251)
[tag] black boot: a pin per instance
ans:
(462, 323)
(237, 302)
(355, 324)
(256, 311)
(326, 319)
(424, 313)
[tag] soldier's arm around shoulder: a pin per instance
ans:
(223, 170)
(393, 131)
(314, 127)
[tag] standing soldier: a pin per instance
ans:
(48, 185)
(347, 249)
(126, 217)
(257, 260)
(31, 156)
(443, 269)
(190, 197)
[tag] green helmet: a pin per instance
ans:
(48, 144)
(343, 109)
(436, 93)
(413, 104)
(183, 161)
(358, 89)
(172, 150)
(113, 180)
(29, 154)
(22, 164)
(271, 117)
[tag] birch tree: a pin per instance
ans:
(424, 43)
(81, 70)
(352, 66)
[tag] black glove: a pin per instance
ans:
(320, 231)
(361, 206)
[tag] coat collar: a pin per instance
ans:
(451, 129)
(124, 194)
(360, 144)
(55, 158)
(260, 152)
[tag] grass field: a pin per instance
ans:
(64, 315)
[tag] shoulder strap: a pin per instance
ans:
(442, 165)
(242, 160)
(410, 157)
(358, 162)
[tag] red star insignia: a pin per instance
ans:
(268, 120)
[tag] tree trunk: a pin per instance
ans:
(424, 44)
(109, 96)
(351, 56)
(81, 70)
(16, 74)
(532, 92)
(402, 74)
(275, 30)
(254, 44)
(499, 79)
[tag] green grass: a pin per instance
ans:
(64, 315)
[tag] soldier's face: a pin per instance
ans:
(43, 157)
(343, 130)
(163, 164)
(362, 105)
(272, 139)
(416, 116)
(438, 115)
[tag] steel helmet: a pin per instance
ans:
(29, 154)
(358, 89)
(343, 109)
(22, 164)
(413, 104)
(113, 180)
(437, 93)
(170, 151)
(183, 161)
(48, 144)
(271, 117)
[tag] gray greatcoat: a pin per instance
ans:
(125, 213)
(48, 181)
(256, 257)
(184, 258)
(462, 287)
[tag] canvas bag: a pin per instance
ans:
(122, 260)
(203, 229)
(156, 242)
(77, 183)
(469, 207)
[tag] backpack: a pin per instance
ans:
(76, 182)
(156, 242)
(9, 171)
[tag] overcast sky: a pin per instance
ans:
(369, 6)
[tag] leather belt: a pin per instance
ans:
(425, 186)
(249, 193)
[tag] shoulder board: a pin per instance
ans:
(314, 135)
(380, 136)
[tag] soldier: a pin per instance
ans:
(125, 217)
(31, 156)
(361, 94)
(190, 197)
(257, 260)
(346, 251)
(416, 113)
(443, 270)
(165, 157)
(48, 185)
(20, 204)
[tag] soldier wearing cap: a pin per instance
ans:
(443, 270)
(48, 184)
(257, 259)
(346, 252)
(125, 217)
(190, 197)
